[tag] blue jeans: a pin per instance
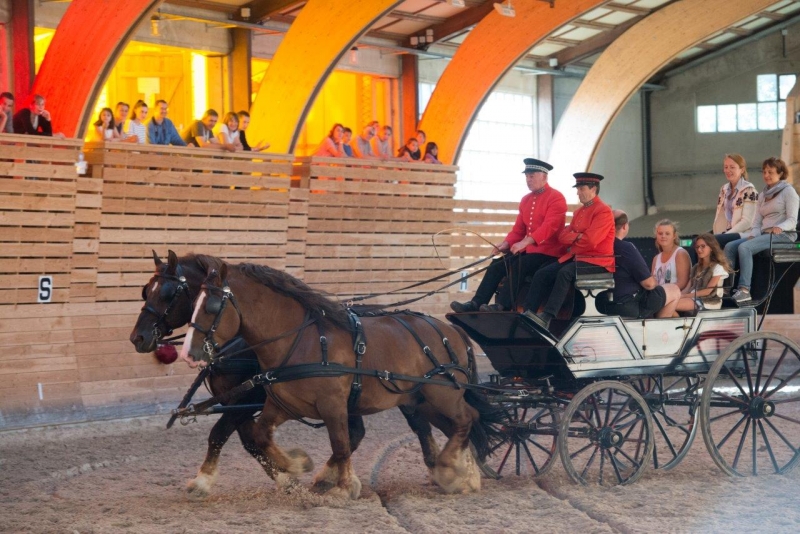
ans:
(744, 249)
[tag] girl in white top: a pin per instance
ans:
(672, 263)
(704, 291)
(104, 127)
(136, 126)
(229, 132)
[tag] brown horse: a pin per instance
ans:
(273, 311)
(168, 297)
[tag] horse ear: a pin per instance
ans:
(223, 272)
(156, 259)
(212, 276)
(172, 262)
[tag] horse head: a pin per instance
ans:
(167, 304)
(215, 320)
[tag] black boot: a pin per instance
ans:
(464, 307)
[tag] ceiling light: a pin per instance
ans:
(505, 9)
(245, 13)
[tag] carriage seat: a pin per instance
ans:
(595, 282)
(785, 252)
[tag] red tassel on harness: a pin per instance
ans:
(166, 354)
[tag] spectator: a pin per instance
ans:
(6, 117)
(160, 130)
(137, 130)
(775, 221)
(347, 135)
(34, 120)
(589, 240)
(120, 117)
(201, 132)
(432, 153)
(229, 133)
(736, 204)
(637, 295)
(104, 128)
(672, 263)
(421, 138)
(382, 144)
(244, 122)
(410, 151)
(704, 291)
(331, 146)
(361, 146)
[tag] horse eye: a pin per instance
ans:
(213, 305)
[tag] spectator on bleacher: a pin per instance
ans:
(421, 138)
(432, 153)
(137, 130)
(637, 293)
(34, 120)
(201, 133)
(589, 240)
(347, 136)
(103, 129)
(361, 145)
(160, 130)
(244, 122)
(531, 244)
(6, 117)
(672, 263)
(736, 203)
(409, 151)
(120, 118)
(382, 144)
(229, 133)
(704, 291)
(331, 146)
(775, 222)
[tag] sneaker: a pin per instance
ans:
(463, 307)
(538, 319)
(492, 308)
(741, 296)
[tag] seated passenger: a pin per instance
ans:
(775, 221)
(432, 153)
(331, 146)
(590, 235)
(532, 243)
(409, 151)
(704, 291)
(347, 135)
(736, 204)
(636, 293)
(672, 263)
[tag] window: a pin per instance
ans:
(768, 114)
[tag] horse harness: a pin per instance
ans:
(160, 326)
(324, 368)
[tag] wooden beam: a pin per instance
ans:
(22, 17)
(417, 17)
(592, 25)
(622, 69)
(772, 16)
(262, 9)
(459, 22)
(240, 68)
(592, 45)
(562, 41)
(642, 12)
(208, 6)
(409, 89)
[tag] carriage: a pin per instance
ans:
(610, 397)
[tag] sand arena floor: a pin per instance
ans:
(130, 476)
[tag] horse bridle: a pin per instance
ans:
(210, 345)
(161, 317)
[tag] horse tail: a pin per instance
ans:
(486, 431)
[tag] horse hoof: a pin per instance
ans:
(200, 486)
(300, 462)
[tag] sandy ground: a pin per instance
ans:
(130, 476)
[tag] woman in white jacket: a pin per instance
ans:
(736, 204)
(775, 220)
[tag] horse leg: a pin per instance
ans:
(201, 485)
(421, 426)
(245, 431)
(287, 464)
(455, 470)
(328, 476)
(339, 469)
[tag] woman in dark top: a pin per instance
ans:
(410, 151)
(244, 122)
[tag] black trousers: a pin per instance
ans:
(554, 282)
(517, 267)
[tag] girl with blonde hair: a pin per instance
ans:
(672, 263)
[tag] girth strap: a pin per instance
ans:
(359, 348)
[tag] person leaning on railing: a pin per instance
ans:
(35, 120)
(409, 151)
(331, 146)
(228, 135)
(431, 153)
(160, 130)
(775, 221)
(137, 129)
(6, 118)
(244, 122)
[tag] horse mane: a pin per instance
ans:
(319, 304)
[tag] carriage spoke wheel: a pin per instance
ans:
(528, 447)
(673, 402)
(750, 409)
(606, 435)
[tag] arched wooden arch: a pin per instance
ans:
(320, 35)
(625, 66)
(85, 47)
(493, 47)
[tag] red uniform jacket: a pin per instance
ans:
(591, 233)
(541, 216)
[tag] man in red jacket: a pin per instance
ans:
(590, 247)
(531, 244)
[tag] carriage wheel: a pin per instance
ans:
(751, 406)
(606, 435)
(673, 402)
(529, 443)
